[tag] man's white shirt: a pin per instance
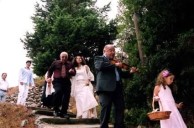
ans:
(4, 85)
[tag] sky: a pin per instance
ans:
(15, 21)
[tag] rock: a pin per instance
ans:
(24, 123)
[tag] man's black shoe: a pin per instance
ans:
(64, 116)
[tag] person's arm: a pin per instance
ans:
(89, 73)
(7, 84)
(72, 70)
(90, 76)
(103, 65)
(21, 76)
(32, 80)
(129, 73)
(155, 93)
(179, 105)
(50, 70)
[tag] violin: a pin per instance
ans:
(124, 65)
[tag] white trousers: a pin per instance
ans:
(23, 94)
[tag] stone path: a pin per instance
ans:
(42, 124)
(67, 126)
(46, 120)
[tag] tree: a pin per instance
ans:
(67, 25)
(167, 32)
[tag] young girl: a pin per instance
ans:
(163, 94)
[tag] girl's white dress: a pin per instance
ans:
(83, 94)
(168, 104)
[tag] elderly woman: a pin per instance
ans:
(47, 95)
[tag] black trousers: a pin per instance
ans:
(61, 95)
(47, 101)
(106, 100)
(43, 93)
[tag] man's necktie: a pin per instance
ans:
(63, 71)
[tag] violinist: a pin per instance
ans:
(109, 86)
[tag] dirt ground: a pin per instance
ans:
(13, 116)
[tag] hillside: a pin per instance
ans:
(14, 116)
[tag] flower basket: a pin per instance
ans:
(158, 115)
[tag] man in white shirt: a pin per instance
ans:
(25, 81)
(3, 87)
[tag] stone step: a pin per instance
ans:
(76, 121)
(72, 126)
(49, 112)
(46, 116)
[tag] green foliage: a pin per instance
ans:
(168, 37)
(132, 116)
(72, 26)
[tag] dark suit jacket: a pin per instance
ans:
(106, 77)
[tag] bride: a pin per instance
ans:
(82, 89)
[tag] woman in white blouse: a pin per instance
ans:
(82, 89)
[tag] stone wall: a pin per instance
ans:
(34, 98)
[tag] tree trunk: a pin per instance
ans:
(139, 40)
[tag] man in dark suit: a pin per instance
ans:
(109, 86)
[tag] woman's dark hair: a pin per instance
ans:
(75, 64)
